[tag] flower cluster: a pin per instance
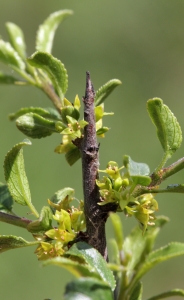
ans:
(143, 209)
(72, 128)
(70, 222)
(118, 188)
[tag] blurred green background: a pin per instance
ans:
(139, 42)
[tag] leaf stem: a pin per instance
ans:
(123, 286)
(49, 91)
(26, 76)
(163, 162)
(33, 209)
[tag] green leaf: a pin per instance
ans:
(118, 230)
(137, 292)
(136, 246)
(155, 257)
(168, 128)
(6, 200)
(46, 31)
(72, 156)
(8, 79)
(16, 177)
(69, 111)
(16, 37)
(142, 180)
(114, 252)
(171, 293)
(62, 198)
(8, 242)
(44, 222)
(10, 57)
(102, 130)
(53, 114)
(49, 113)
(95, 260)
(76, 268)
(35, 126)
(54, 69)
(105, 90)
(87, 289)
(137, 171)
(135, 168)
(99, 112)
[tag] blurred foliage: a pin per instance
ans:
(139, 42)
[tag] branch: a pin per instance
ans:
(160, 176)
(95, 214)
(14, 220)
(172, 169)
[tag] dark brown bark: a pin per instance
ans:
(95, 214)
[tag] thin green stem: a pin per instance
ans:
(49, 91)
(129, 289)
(175, 292)
(123, 281)
(123, 286)
(34, 73)
(163, 162)
(45, 86)
(27, 77)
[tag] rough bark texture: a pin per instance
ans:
(96, 215)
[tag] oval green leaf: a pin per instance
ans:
(102, 130)
(46, 31)
(35, 126)
(49, 113)
(76, 268)
(141, 180)
(137, 246)
(171, 293)
(95, 260)
(135, 168)
(8, 242)
(16, 37)
(72, 156)
(62, 199)
(8, 79)
(105, 90)
(87, 289)
(168, 128)
(54, 69)
(137, 292)
(70, 111)
(10, 57)
(118, 230)
(162, 254)
(16, 178)
(6, 200)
